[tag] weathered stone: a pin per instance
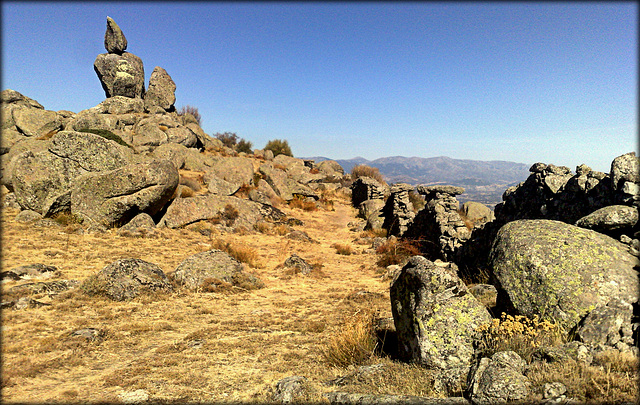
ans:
(398, 210)
(9, 96)
(604, 326)
(371, 211)
(114, 39)
(347, 398)
(48, 287)
(196, 271)
(37, 122)
(432, 191)
(114, 197)
(485, 293)
(366, 188)
(120, 75)
(610, 218)
(93, 153)
(125, 279)
(625, 168)
(27, 216)
(434, 314)
(477, 212)
(29, 271)
(330, 168)
(183, 136)
(236, 171)
(161, 91)
(8, 160)
(499, 379)
(559, 271)
(173, 152)
(282, 185)
(289, 389)
(298, 264)
(141, 225)
(184, 211)
(118, 105)
(88, 119)
(554, 391)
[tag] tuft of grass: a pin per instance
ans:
(343, 249)
(367, 171)
(519, 334)
(395, 251)
(354, 343)
(106, 134)
(241, 253)
(303, 204)
(374, 233)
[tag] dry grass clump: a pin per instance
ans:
(303, 204)
(343, 249)
(395, 251)
(193, 184)
(354, 343)
(613, 378)
(519, 334)
(367, 171)
(189, 109)
(243, 254)
(374, 233)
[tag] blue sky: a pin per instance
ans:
(525, 82)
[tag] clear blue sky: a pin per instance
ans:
(525, 82)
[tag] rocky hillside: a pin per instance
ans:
(145, 261)
(484, 181)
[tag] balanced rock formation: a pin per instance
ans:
(120, 73)
(161, 91)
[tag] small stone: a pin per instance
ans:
(553, 390)
(114, 39)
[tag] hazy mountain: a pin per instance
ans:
(484, 181)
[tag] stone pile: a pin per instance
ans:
(398, 211)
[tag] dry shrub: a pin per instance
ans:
(264, 227)
(467, 222)
(519, 334)
(395, 251)
(243, 191)
(189, 109)
(279, 147)
(367, 171)
(374, 233)
(326, 204)
(242, 253)
(67, 219)
(303, 204)
(343, 249)
(354, 343)
(587, 383)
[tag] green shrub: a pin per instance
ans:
(189, 109)
(106, 134)
(244, 146)
(228, 139)
(279, 147)
(367, 171)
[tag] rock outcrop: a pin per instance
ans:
(561, 272)
(499, 380)
(435, 316)
(210, 270)
(161, 91)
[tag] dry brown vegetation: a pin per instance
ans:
(226, 344)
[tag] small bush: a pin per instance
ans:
(519, 334)
(367, 171)
(303, 204)
(343, 249)
(106, 134)
(228, 139)
(279, 147)
(244, 146)
(188, 109)
(354, 344)
(396, 252)
(243, 254)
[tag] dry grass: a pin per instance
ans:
(303, 204)
(395, 251)
(177, 345)
(354, 342)
(343, 249)
(242, 253)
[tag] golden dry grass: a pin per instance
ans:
(205, 346)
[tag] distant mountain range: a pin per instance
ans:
(484, 181)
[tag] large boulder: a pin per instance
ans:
(15, 98)
(25, 144)
(235, 171)
(608, 326)
(120, 75)
(185, 211)
(435, 315)
(561, 272)
(114, 39)
(37, 122)
(117, 105)
(611, 219)
(114, 197)
(161, 91)
(125, 279)
(205, 268)
(283, 185)
(42, 181)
